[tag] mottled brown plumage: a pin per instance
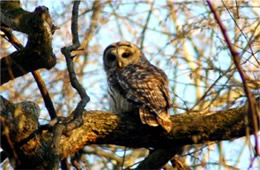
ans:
(134, 83)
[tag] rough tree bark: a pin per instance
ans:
(32, 146)
(38, 50)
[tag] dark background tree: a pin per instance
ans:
(210, 53)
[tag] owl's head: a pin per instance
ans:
(122, 54)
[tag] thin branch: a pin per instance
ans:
(97, 9)
(109, 155)
(45, 94)
(146, 25)
(8, 35)
(88, 35)
(236, 59)
(241, 31)
(74, 26)
(77, 114)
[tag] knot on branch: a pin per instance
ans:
(18, 121)
(42, 13)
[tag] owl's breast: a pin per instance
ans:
(117, 103)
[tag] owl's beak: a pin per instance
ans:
(120, 64)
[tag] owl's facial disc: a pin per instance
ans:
(124, 56)
(121, 54)
(128, 54)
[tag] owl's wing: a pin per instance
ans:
(146, 86)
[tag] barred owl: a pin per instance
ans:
(134, 84)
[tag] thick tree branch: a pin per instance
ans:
(158, 158)
(41, 85)
(102, 127)
(38, 50)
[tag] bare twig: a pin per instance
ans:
(97, 9)
(236, 59)
(146, 25)
(8, 35)
(77, 117)
(89, 33)
(241, 31)
(123, 161)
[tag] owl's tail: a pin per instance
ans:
(162, 119)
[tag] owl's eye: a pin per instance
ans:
(111, 57)
(126, 55)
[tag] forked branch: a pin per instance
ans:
(101, 127)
